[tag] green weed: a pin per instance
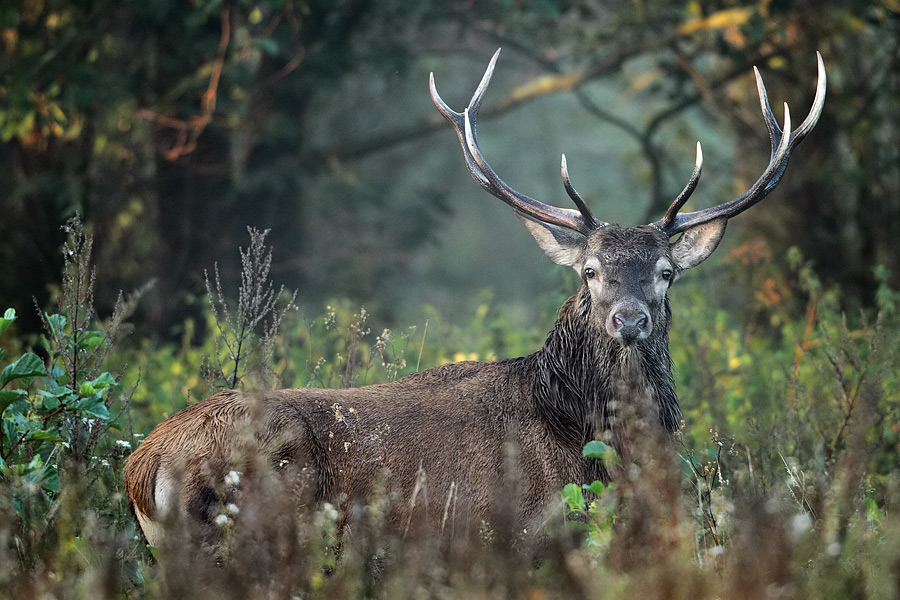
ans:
(783, 482)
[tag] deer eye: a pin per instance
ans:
(589, 273)
(667, 274)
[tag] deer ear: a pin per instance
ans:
(563, 246)
(697, 243)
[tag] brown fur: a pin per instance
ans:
(504, 437)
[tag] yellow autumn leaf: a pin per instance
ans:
(730, 17)
(547, 84)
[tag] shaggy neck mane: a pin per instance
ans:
(583, 378)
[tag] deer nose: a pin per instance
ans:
(630, 323)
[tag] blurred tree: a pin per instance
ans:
(173, 125)
(170, 125)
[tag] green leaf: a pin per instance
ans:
(91, 340)
(597, 449)
(6, 320)
(593, 449)
(57, 322)
(93, 406)
(22, 423)
(45, 435)
(9, 431)
(28, 365)
(573, 496)
(50, 402)
(43, 475)
(104, 381)
(598, 487)
(60, 392)
(58, 374)
(51, 479)
(10, 396)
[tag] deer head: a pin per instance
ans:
(627, 271)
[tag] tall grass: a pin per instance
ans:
(783, 483)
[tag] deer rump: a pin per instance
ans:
(442, 444)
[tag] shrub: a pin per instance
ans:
(784, 480)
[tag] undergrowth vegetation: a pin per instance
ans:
(784, 484)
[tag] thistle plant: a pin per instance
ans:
(250, 329)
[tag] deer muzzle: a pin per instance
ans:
(629, 321)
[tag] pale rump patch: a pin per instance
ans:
(164, 496)
(164, 499)
(153, 531)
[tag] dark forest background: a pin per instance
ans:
(171, 126)
(143, 142)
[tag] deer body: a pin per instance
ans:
(452, 442)
(454, 424)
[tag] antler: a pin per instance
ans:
(464, 123)
(782, 146)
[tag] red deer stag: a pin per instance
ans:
(456, 423)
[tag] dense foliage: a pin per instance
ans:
(787, 475)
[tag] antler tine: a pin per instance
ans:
(811, 119)
(686, 192)
(458, 122)
(576, 197)
(781, 144)
(464, 125)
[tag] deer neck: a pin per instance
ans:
(588, 384)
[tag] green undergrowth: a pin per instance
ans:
(782, 483)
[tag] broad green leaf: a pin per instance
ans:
(51, 479)
(6, 320)
(573, 496)
(57, 322)
(28, 365)
(19, 406)
(597, 487)
(61, 392)
(23, 424)
(10, 396)
(57, 373)
(50, 402)
(593, 449)
(91, 340)
(45, 435)
(9, 430)
(93, 406)
(597, 449)
(104, 381)
(43, 475)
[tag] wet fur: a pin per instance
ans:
(457, 422)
